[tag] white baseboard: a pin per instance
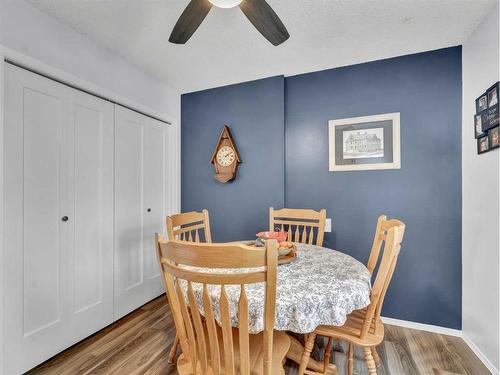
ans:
(444, 331)
(480, 354)
(423, 327)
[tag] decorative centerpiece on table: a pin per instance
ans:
(287, 251)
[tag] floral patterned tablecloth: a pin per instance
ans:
(322, 286)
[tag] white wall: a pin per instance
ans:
(480, 198)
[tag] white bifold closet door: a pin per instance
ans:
(141, 190)
(58, 241)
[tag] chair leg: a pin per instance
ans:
(370, 363)
(307, 353)
(375, 355)
(328, 353)
(350, 360)
(173, 350)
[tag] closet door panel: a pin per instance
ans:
(42, 207)
(129, 205)
(140, 196)
(129, 256)
(35, 236)
(155, 193)
(91, 214)
(59, 211)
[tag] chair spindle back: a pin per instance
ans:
(190, 226)
(208, 343)
(301, 225)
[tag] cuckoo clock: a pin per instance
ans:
(226, 157)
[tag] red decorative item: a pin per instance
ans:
(280, 236)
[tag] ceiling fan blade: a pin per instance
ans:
(263, 17)
(190, 19)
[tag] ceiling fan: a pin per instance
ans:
(260, 14)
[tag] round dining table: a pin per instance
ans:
(320, 287)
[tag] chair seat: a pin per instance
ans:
(351, 330)
(281, 344)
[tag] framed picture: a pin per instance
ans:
(483, 144)
(493, 135)
(365, 143)
(492, 95)
(482, 103)
(478, 126)
(492, 118)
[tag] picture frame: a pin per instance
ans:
(492, 93)
(483, 144)
(482, 103)
(492, 113)
(494, 137)
(365, 143)
(478, 127)
(487, 119)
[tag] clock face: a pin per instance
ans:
(226, 156)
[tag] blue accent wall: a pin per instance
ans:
(425, 193)
(255, 113)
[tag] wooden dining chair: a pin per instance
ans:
(301, 225)
(189, 226)
(192, 227)
(364, 327)
(383, 225)
(210, 346)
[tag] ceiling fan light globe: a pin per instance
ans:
(225, 3)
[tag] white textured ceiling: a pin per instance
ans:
(227, 49)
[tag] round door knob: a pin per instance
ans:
(149, 209)
(65, 218)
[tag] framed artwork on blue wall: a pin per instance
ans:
(365, 143)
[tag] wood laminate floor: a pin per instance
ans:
(139, 344)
